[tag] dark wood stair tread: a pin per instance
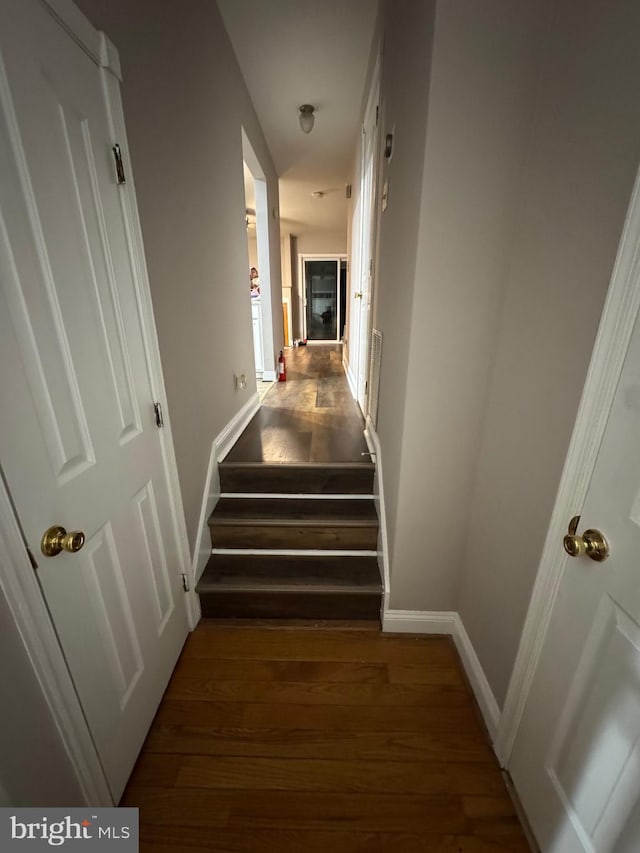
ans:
(283, 573)
(309, 512)
(297, 478)
(267, 586)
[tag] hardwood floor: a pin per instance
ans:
(271, 740)
(311, 417)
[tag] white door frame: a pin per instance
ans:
(267, 320)
(17, 577)
(607, 359)
(335, 256)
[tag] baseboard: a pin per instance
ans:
(351, 380)
(449, 622)
(479, 683)
(269, 375)
(228, 436)
(220, 446)
(419, 622)
(210, 498)
(373, 443)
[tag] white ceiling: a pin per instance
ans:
(294, 52)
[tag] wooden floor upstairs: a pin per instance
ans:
(310, 418)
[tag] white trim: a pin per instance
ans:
(351, 381)
(20, 586)
(150, 337)
(94, 43)
(109, 56)
(295, 496)
(202, 549)
(479, 683)
(373, 443)
(419, 621)
(220, 446)
(295, 552)
(614, 333)
(269, 375)
(449, 622)
(228, 436)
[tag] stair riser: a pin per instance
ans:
(283, 480)
(278, 605)
(292, 536)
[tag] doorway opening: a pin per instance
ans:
(324, 280)
(258, 271)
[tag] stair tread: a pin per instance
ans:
(346, 574)
(294, 511)
(297, 478)
(300, 466)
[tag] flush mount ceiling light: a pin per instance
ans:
(306, 118)
(318, 194)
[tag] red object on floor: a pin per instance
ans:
(282, 368)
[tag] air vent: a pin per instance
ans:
(374, 375)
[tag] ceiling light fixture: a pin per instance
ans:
(318, 194)
(306, 118)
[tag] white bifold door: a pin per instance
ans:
(79, 444)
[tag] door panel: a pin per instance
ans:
(576, 760)
(78, 443)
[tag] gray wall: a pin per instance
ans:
(438, 303)
(407, 27)
(491, 285)
(185, 102)
(583, 154)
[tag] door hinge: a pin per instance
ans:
(117, 156)
(157, 408)
(185, 583)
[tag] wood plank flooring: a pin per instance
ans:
(276, 739)
(311, 417)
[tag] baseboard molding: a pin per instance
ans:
(228, 436)
(269, 375)
(479, 683)
(419, 622)
(351, 380)
(209, 500)
(373, 443)
(220, 446)
(449, 622)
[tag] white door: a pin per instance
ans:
(576, 760)
(78, 441)
(365, 267)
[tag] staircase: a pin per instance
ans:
(311, 530)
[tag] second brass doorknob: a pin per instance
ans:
(56, 539)
(592, 542)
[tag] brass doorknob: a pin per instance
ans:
(592, 542)
(57, 539)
